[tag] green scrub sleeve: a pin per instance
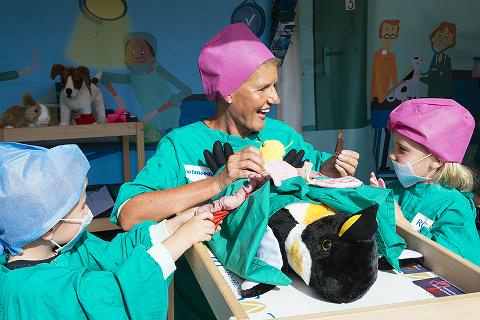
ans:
(99, 281)
(439, 237)
(456, 232)
(134, 289)
(107, 255)
(160, 173)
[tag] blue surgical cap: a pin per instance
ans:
(38, 187)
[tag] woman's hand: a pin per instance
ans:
(245, 163)
(345, 164)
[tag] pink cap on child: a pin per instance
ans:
(230, 58)
(441, 125)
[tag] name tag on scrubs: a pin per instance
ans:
(421, 221)
(197, 173)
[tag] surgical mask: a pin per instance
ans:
(85, 222)
(406, 175)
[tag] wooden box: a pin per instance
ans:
(456, 270)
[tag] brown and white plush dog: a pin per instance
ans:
(79, 94)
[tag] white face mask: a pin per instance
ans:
(84, 224)
(406, 175)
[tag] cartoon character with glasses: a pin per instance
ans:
(384, 68)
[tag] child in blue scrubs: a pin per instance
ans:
(51, 268)
(433, 192)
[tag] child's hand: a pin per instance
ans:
(199, 228)
(179, 219)
(374, 182)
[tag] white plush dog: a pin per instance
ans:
(79, 94)
(407, 88)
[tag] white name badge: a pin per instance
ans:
(421, 221)
(197, 173)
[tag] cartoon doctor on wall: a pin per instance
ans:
(152, 85)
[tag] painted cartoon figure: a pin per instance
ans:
(407, 88)
(384, 68)
(152, 85)
(439, 76)
(33, 64)
(384, 74)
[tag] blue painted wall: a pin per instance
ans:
(37, 34)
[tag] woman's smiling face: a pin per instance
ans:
(251, 102)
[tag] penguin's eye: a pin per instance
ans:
(326, 244)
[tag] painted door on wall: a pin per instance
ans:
(340, 42)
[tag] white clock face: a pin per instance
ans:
(252, 17)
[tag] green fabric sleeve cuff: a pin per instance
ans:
(426, 232)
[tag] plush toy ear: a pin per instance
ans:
(361, 226)
(85, 74)
(28, 100)
(56, 70)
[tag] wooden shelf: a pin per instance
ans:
(78, 132)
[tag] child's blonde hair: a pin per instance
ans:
(454, 175)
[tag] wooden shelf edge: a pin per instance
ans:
(69, 132)
(102, 224)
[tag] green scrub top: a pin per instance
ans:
(179, 158)
(94, 280)
(451, 214)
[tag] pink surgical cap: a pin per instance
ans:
(441, 125)
(230, 58)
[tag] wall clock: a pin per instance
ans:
(250, 13)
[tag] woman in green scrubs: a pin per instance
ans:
(240, 74)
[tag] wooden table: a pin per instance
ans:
(78, 132)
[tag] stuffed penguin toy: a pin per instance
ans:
(334, 253)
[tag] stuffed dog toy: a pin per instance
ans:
(31, 114)
(334, 253)
(79, 94)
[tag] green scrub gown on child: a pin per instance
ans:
(451, 216)
(95, 280)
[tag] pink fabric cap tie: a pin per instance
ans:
(230, 58)
(441, 125)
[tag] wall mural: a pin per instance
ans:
(144, 54)
(152, 86)
(427, 70)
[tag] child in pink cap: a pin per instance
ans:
(431, 137)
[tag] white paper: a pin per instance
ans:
(299, 299)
